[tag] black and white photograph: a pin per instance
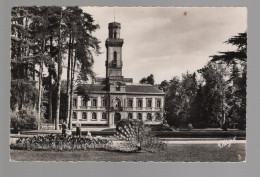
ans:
(128, 84)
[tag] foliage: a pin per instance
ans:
(72, 143)
(147, 80)
(218, 98)
(179, 97)
(215, 88)
(163, 85)
(236, 61)
(40, 41)
(232, 57)
(137, 135)
(24, 119)
(60, 143)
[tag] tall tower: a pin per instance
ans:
(114, 45)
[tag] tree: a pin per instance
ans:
(237, 63)
(179, 98)
(23, 88)
(163, 85)
(172, 100)
(215, 88)
(147, 80)
(81, 44)
(40, 36)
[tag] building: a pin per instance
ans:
(114, 98)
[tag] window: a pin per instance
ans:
(94, 116)
(104, 102)
(158, 117)
(115, 34)
(74, 103)
(74, 115)
(148, 103)
(104, 116)
(139, 103)
(84, 102)
(84, 115)
(139, 116)
(94, 102)
(149, 117)
(117, 103)
(130, 116)
(115, 57)
(158, 103)
(117, 87)
(130, 103)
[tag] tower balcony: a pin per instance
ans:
(114, 42)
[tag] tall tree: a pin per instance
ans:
(81, 42)
(23, 88)
(237, 62)
(215, 89)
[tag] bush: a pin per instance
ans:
(23, 119)
(60, 143)
(71, 143)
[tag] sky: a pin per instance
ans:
(167, 41)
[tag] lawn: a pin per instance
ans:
(174, 153)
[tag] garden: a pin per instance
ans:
(131, 136)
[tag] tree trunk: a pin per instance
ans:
(40, 95)
(50, 85)
(50, 96)
(68, 86)
(58, 81)
(71, 88)
(34, 101)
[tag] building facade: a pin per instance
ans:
(114, 97)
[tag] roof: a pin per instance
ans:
(133, 88)
(142, 88)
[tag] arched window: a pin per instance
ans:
(149, 117)
(130, 116)
(117, 103)
(74, 115)
(74, 103)
(157, 117)
(115, 34)
(94, 116)
(115, 58)
(139, 103)
(117, 87)
(139, 116)
(94, 102)
(84, 115)
(104, 116)
(83, 102)
(148, 103)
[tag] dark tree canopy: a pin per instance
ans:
(147, 80)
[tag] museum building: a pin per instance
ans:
(114, 98)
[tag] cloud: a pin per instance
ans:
(164, 41)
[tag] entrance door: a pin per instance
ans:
(117, 117)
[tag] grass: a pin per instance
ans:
(173, 153)
(239, 134)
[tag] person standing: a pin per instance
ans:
(64, 128)
(78, 129)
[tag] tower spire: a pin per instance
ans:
(114, 15)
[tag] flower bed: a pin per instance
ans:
(70, 143)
